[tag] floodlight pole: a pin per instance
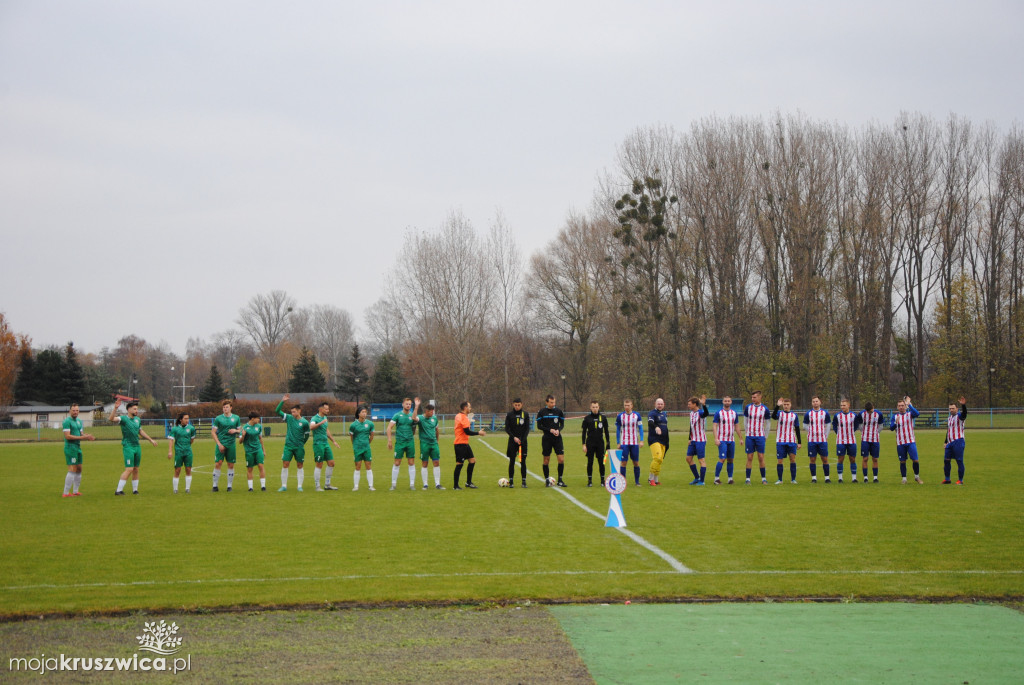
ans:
(565, 402)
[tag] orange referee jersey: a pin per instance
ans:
(461, 426)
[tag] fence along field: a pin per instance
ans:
(161, 551)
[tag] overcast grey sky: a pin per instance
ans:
(163, 161)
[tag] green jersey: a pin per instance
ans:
(298, 429)
(404, 432)
(74, 427)
(320, 432)
(130, 427)
(360, 431)
(182, 436)
(222, 424)
(252, 438)
(428, 430)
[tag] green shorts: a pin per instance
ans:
(73, 455)
(299, 453)
(183, 460)
(228, 455)
(253, 458)
(364, 455)
(430, 451)
(322, 453)
(405, 449)
(132, 456)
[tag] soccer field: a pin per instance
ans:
(159, 551)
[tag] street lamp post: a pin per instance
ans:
(356, 381)
(182, 386)
(991, 370)
(564, 402)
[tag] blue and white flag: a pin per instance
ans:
(615, 484)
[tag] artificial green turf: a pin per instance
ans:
(158, 550)
(797, 643)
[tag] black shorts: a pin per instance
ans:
(512, 451)
(551, 442)
(595, 452)
(462, 453)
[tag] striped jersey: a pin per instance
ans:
(903, 424)
(955, 426)
(725, 425)
(756, 423)
(628, 429)
(869, 423)
(697, 433)
(817, 421)
(785, 427)
(842, 423)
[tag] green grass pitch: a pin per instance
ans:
(159, 551)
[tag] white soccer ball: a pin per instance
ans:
(551, 481)
(503, 482)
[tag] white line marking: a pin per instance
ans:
(671, 560)
(488, 574)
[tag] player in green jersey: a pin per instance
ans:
(296, 435)
(179, 447)
(131, 429)
(224, 428)
(251, 439)
(73, 437)
(403, 443)
(361, 435)
(429, 430)
(322, 453)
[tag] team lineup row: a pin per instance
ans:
(228, 430)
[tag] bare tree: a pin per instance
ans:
(267, 319)
(507, 263)
(332, 333)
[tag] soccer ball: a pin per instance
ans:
(551, 481)
(503, 482)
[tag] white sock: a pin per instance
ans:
(120, 485)
(188, 482)
(250, 483)
(216, 477)
(423, 472)
(412, 475)
(316, 476)
(263, 482)
(394, 476)
(69, 482)
(231, 477)
(299, 476)
(328, 472)
(369, 478)
(284, 477)
(135, 485)
(355, 479)
(174, 483)
(437, 475)
(78, 480)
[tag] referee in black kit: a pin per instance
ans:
(595, 440)
(517, 425)
(550, 421)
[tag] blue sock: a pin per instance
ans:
(718, 469)
(853, 468)
(636, 473)
(825, 467)
(622, 468)
(762, 474)
(903, 468)
(839, 468)
(779, 469)
(792, 471)
(748, 473)
(703, 470)
(814, 469)
(874, 471)
(945, 468)
(693, 467)
(728, 469)
(960, 469)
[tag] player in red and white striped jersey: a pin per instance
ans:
(787, 438)
(755, 425)
(817, 420)
(698, 437)
(846, 438)
(955, 442)
(906, 444)
(869, 422)
(725, 421)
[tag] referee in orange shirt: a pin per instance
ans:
(463, 452)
